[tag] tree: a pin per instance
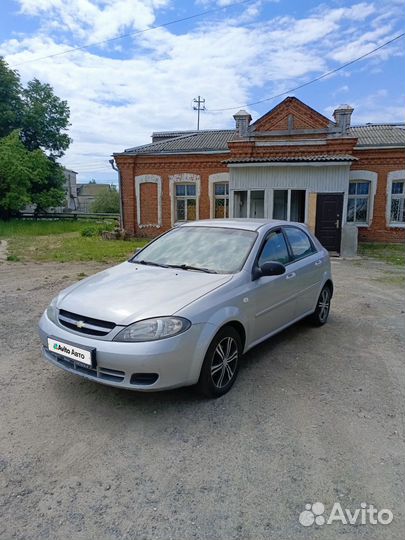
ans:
(107, 201)
(45, 120)
(23, 176)
(33, 135)
(11, 105)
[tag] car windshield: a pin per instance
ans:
(213, 249)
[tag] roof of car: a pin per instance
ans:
(235, 223)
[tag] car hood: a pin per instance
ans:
(130, 292)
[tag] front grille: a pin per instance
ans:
(98, 372)
(85, 325)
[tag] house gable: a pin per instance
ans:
(291, 114)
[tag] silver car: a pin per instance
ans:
(184, 309)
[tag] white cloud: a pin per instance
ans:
(117, 103)
(94, 21)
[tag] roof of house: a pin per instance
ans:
(213, 140)
(91, 190)
(294, 159)
(379, 134)
(216, 140)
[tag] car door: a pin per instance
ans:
(307, 265)
(272, 298)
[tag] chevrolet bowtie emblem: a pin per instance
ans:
(80, 324)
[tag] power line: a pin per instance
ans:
(326, 74)
(135, 32)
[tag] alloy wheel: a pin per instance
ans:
(224, 362)
(324, 305)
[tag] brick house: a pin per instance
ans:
(292, 163)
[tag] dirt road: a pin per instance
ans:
(316, 415)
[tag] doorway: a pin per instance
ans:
(328, 227)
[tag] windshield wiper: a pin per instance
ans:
(151, 263)
(188, 267)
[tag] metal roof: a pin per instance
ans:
(216, 140)
(294, 159)
(199, 141)
(379, 134)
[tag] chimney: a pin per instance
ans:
(342, 117)
(242, 121)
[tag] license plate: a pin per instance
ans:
(85, 356)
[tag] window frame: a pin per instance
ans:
(396, 196)
(355, 196)
(225, 197)
(185, 198)
(292, 257)
(289, 194)
(263, 244)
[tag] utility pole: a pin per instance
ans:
(200, 106)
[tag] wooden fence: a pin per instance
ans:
(67, 216)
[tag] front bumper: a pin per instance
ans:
(176, 361)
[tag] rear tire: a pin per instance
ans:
(321, 313)
(221, 363)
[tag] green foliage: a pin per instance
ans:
(51, 243)
(11, 105)
(390, 253)
(89, 231)
(97, 230)
(107, 201)
(33, 125)
(45, 120)
(23, 175)
(31, 227)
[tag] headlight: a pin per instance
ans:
(153, 329)
(51, 310)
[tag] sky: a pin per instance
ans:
(122, 90)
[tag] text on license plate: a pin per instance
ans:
(70, 351)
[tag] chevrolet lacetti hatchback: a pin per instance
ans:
(184, 309)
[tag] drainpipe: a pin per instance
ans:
(113, 165)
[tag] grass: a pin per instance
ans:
(62, 241)
(391, 253)
(19, 227)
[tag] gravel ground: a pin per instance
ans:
(316, 415)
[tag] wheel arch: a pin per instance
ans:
(329, 283)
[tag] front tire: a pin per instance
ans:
(221, 363)
(321, 313)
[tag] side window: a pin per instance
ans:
(301, 246)
(275, 249)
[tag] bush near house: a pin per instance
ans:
(107, 202)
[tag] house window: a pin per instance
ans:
(256, 204)
(358, 202)
(397, 214)
(221, 200)
(289, 204)
(186, 202)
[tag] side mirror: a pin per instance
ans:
(268, 269)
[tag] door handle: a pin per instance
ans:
(337, 223)
(317, 263)
(290, 276)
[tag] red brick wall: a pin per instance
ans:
(382, 162)
(163, 166)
